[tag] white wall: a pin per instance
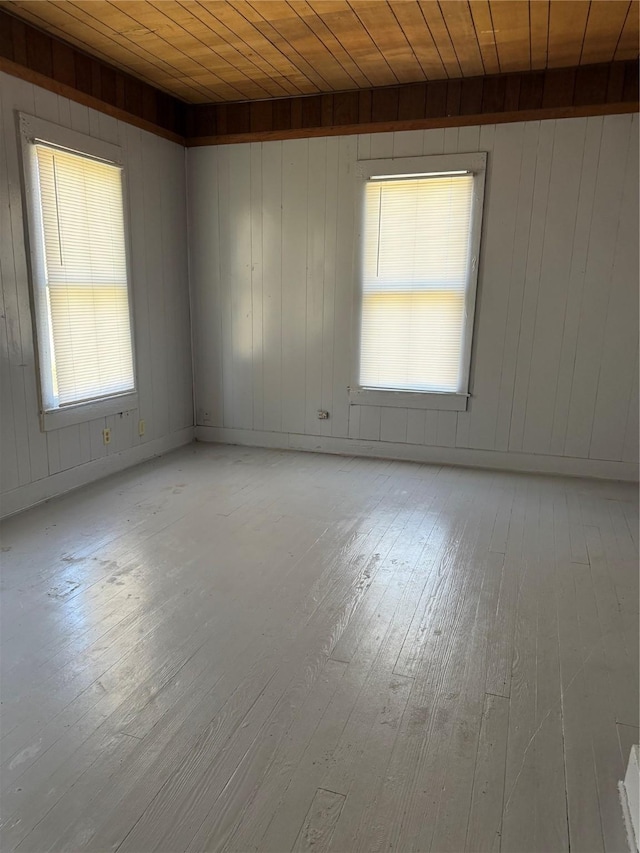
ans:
(554, 365)
(37, 465)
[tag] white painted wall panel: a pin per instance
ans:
(612, 176)
(32, 461)
(554, 366)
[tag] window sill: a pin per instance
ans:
(83, 412)
(408, 399)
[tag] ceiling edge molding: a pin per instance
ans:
(33, 55)
(587, 90)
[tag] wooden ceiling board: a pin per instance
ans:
(293, 30)
(322, 31)
(64, 23)
(348, 29)
(414, 26)
(246, 34)
(117, 27)
(463, 35)
(483, 23)
(266, 71)
(315, 80)
(385, 31)
(246, 50)
(627, 47)
(567, 25)
(206, 39)
(512, 33)
(604, 26)
(539, 33)
(438, 28)
(160, 34)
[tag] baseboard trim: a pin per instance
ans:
(35, 493)
(461, 456)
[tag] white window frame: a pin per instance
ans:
(476, 164)
(35, 130)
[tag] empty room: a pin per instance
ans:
(319, 426)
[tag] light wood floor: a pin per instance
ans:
(238, 649)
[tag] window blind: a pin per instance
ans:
(84, 278)
(415, 274)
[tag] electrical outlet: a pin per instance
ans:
(323, 415)
(141, 427)
(106, 436)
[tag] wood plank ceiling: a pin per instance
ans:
(235, 50)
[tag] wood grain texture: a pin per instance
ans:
(234, 649)
(157, 215)
(150, 62)
(553, 366)
(71, 73)
(550, 94)
(317, 830)
(222, 52)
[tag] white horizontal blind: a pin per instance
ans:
(85, 278)
(416, 265)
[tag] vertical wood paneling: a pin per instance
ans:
(329, 280)
(564, 188)
(446, 429)
(495, 265)
(317, 222)
(433, 142)
(382, 145)
(79, 120)
(272, 249)
(257, 351)
(156, 191)
(616, 375)
(558, 271)
(15, 465)
(415, 426)
(155, 287)
(226, 290)
(431, 427)
(393, 425)
(237, 270)
(130, 141)
(177, 319)
(605, 222)
(205, 268)
(515, 295)
(295, 179)
(96, 444)
(534, 250)
(579, 249)
(408, 144)
(370, 419)
(630, 448)
(354, 421)
(342, 325)
(468, 139)
(18, 95)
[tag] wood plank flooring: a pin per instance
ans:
(233, 649)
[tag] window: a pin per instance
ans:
(75, 208)
(419, 258)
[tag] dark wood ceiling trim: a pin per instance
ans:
(30, 53)
(36, 56)
(556, 93)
